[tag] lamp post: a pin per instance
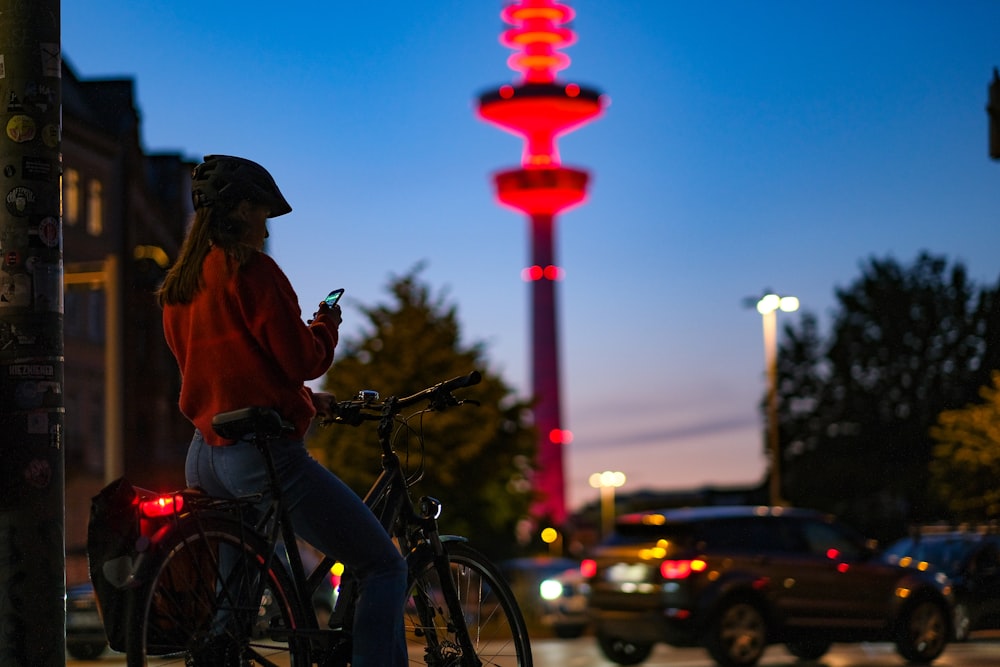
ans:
(607, 482)
(768, 306)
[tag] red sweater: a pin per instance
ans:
(241, 342)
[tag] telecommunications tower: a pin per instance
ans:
(539, 108)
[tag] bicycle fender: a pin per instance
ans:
(423, 554)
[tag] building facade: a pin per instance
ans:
(124, 216)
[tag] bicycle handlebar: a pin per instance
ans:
(440, 388)
(356, 411)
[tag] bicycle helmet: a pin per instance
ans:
(228, 179)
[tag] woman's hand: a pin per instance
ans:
(331, 312)
(325, 404)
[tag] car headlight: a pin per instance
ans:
(550, 589)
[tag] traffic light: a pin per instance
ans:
(993, 110)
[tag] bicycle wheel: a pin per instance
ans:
(206, 599)
(496, 627)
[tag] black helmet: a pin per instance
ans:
(224, 178)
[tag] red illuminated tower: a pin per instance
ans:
(539, 108)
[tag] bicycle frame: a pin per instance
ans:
(416, 533)
(412, 525)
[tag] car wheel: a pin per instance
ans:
(808, 649)
(623, 651)
(923, 631)
(737, 635)
(85, 650)
(962, 622)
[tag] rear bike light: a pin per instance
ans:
(161, 506)
(681, 569)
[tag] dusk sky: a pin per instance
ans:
(747, 145)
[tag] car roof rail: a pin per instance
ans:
(967, 528)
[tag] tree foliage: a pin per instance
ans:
(966, 463)
(856, 409)
(476, 459)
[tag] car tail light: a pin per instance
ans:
(681, 569)
(161, 506)
(588, 568)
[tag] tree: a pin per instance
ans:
(476, 459)
(966, 463)
(906, 343)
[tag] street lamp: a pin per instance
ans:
(607, 482)
(768, 306)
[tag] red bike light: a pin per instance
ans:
(161, 506)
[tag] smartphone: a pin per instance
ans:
(333, 297)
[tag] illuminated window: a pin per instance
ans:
(95, 209)
(71, 196)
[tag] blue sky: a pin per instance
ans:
(748, 145)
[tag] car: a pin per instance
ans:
(737, 579)
(971, 560)
(548, 606)
(563, 601)
(85, 638)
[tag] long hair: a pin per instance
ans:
(212, 226)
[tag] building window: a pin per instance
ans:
(71, 196)
(95, 208)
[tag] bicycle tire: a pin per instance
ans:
(496, 626)
(180, 614)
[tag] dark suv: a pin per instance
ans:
(735, 579)
(970, 559)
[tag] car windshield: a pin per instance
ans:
(945, 555)
(681, 535)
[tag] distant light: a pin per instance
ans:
(536, 272)
(772, 302)
(531, 273)
(768, 304)
(553, 272)
(550, 589)
(788, 304)
(155, 253)
(606, 479)
(549, 535)
(560, 436)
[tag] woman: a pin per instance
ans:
(232, 321)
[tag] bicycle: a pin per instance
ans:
(214, 592)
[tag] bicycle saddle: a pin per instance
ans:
(237, 424)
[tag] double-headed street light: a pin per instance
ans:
(768, 306)
(607, 482)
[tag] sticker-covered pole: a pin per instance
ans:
(32, 480)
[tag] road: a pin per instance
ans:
(981, 651)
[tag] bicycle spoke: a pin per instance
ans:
(211, 602)
(496, 632)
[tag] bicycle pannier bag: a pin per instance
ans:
(113, 538)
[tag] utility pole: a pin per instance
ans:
(32, 479)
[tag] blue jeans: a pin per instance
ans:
(328, 515)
